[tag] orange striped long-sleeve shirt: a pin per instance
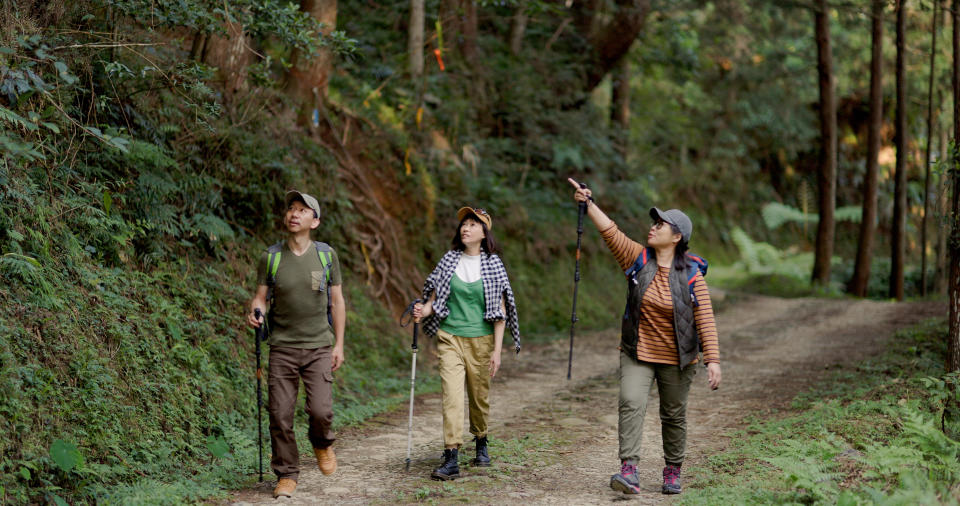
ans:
(657, 341)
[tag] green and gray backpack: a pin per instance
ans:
(324, 252)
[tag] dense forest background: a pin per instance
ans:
(147, 145)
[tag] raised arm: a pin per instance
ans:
(624, 249)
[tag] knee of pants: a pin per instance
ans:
(677, 417)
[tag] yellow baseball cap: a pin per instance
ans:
(478, 213)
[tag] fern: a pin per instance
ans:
(776, 214)
(808, 466)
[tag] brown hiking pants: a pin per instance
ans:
(286, 368)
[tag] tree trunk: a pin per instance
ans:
(468, 47)
(196, 48)
(415, 39)
(898, 237)
(307, 78)
(827, 175)
(620, 105)
(926, 155)
(953, 335)
(940, 282)
(450, 14)
(230, 55)
(518, 25)
(610, 42)
(868, 222)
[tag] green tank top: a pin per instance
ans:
(466, 304)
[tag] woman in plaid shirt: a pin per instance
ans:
(469, 303)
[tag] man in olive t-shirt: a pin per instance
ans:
(303, 343)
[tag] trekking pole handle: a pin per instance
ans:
(407, 317)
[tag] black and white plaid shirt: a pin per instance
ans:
(495, 284)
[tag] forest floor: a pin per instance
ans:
(555, 441)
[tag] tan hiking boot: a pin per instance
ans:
(285, 488)
(326, 460)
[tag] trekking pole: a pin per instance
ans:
(408, 313)
(581, 210)
(258, 315)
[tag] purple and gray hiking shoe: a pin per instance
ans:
(626, 481)
(671, 480)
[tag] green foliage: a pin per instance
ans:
(776, 214)
(65, 455)
(869, 435)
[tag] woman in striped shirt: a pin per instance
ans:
(664, 326)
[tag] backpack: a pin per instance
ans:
(324, 252)
(694, 264)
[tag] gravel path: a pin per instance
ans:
(557, 439)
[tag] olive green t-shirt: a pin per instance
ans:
(298, 316)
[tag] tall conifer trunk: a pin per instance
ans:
(827, 175)
(953, 336)
(415, 39)
(898, 238)
(868, 223)
(926, 157)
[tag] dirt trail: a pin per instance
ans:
(555, 441)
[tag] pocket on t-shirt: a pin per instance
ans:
(318, 280)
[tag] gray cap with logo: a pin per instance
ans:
(309, 200)
(674, 217)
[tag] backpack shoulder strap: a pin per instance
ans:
(325, 252)
(273, 261)
(695, 264)
(638, 264)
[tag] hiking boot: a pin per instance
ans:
(450, 469)
(483, 459)
(326, 460)
(671, 480)
(285, 488)
(626, 480)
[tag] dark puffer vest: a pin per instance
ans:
(684, 325)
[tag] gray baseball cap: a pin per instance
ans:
(309, 200)
(677, 218)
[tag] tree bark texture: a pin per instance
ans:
(620, 106)
(827, 175)
(898, 237)
(308, 77)
(231, 55)
(610, 41)
(468, 45)
(518, 26)
(415, 39)
(868, 223)
(953, 335)
(926, 155)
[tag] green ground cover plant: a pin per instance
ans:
(873, 434)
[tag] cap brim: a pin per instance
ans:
(657, 214)
(293, 195)
(468, 211)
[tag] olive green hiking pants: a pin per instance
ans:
(673, 385)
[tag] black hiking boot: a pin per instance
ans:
(483, 458)
(450, 469)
